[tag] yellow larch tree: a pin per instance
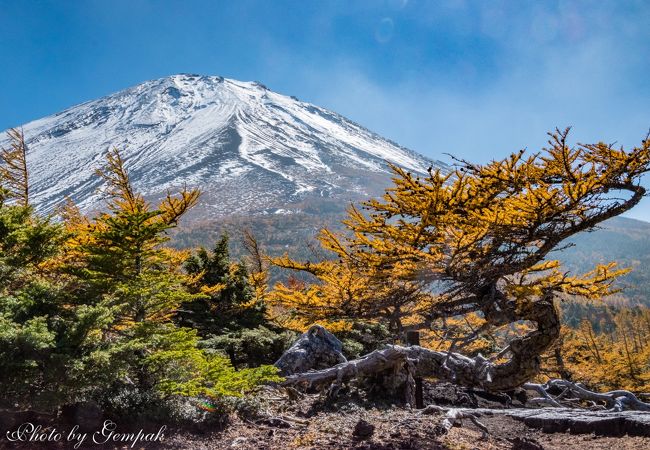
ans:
(477, 239)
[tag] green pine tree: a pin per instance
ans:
(48, 341)
(86, 306)
(124, 266)
(229, 304)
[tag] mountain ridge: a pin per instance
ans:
(249, 149)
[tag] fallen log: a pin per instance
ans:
(552, 420)
(575, 421)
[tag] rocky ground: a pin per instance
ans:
(395, 429)
(288, 420)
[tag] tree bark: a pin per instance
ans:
(478, 371)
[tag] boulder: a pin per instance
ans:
(315, 349)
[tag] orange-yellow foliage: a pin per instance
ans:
(470, 240)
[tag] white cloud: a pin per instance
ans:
(577, 68)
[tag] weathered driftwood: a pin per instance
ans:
(454, 417)
(552, 420)
(574, 395)
(315, 349)
(317, 346)
(576, 421)
(454, 367)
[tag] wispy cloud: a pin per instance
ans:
(474, 78)
(579, 67)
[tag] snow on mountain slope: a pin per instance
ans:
(247, 148)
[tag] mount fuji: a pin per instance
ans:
(248, 149)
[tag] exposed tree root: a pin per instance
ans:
(420, 362)
(417, 361)
(317, 348)
(455, 416)
(574, 395)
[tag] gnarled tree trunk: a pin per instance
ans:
(318, 347)
(478, 371)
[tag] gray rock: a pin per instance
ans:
(315, 349)
(578, 421)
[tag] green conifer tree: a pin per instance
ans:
(121, 259)
(48, 341)
(86, 306)
(229, 304)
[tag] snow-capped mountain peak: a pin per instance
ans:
(246, 147)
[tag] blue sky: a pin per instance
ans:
(478, 79)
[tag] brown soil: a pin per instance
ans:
(395, 428)
(307, 423)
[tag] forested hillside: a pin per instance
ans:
(626, 241)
